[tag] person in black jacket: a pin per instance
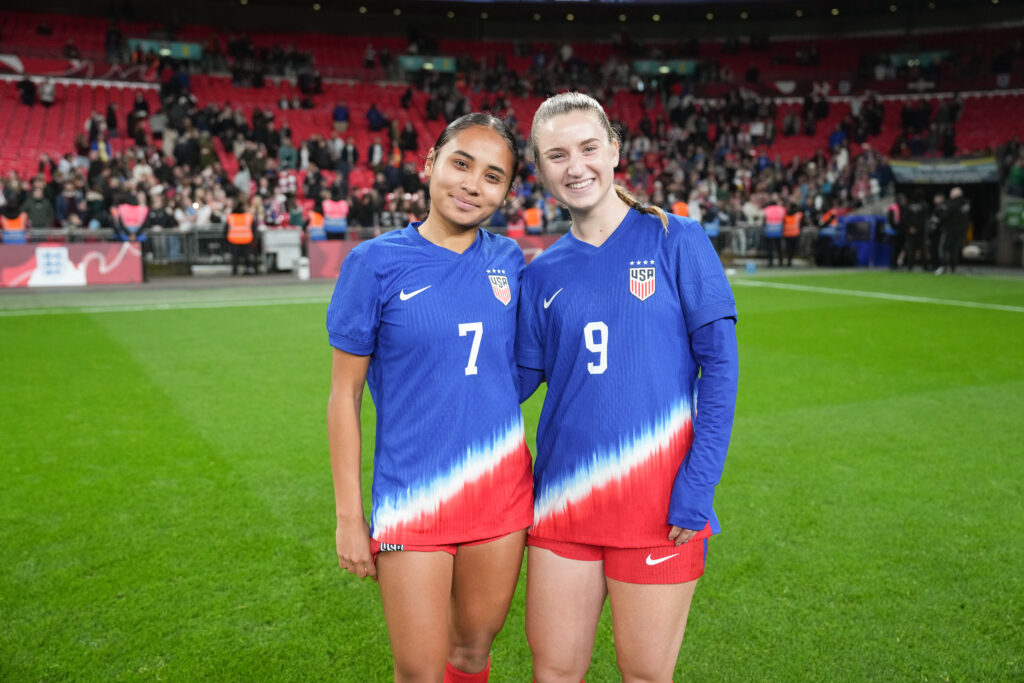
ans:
(28, 89)
(159, 218)
(38, 208)
(348, 157)
(365, 210)
(915, 223)
(955, 220)
(935, 232)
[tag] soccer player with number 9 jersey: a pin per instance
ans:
(620, 317)
(426, 315)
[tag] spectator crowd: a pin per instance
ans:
(708, 158)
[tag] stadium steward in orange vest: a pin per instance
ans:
(15, 230)
(241, 239)
(791, 231)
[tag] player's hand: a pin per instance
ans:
(353, 541)
(679, 536)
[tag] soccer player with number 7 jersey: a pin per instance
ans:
(620, 317)
(426, 315)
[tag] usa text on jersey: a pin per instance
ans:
(641, 279)
(499, 283)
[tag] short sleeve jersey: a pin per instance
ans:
(609, 326)
(450, 459)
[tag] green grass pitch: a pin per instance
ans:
(166, 509)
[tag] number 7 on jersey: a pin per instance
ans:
(478, 332)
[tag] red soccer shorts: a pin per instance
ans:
(377, 547)
(656, 565)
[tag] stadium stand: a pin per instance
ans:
(754, 117)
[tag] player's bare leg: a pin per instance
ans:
(563, 607)
(484, 581)
(415, 589)
(649, 622)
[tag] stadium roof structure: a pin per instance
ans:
(571, 19)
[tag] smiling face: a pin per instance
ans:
(576, 160)
(470, 176)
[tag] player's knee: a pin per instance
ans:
(470, 657)
(420, 671)
(475, 639)
(644, 672)
(559, 669)
(556, 659)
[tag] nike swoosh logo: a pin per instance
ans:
(547, 302)
(651, 561)
(405, 297)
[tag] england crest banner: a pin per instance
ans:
(48, 264)
(641, 280)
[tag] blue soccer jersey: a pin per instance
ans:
(610, 328)
(451, 462)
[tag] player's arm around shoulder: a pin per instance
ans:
(529, 336)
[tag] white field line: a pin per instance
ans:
(158, 306)
(237, 303)
(879, 295)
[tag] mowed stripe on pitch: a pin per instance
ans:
(158, 306)
(236, 303)
(879, 295)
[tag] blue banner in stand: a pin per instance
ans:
(946, 171)
(167, 48)
(437, 63)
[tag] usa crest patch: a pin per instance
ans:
(641, 279)
(499, 284)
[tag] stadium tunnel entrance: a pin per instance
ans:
(979, 180)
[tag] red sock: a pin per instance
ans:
(453, 675)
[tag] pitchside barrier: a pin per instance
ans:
(733, 244)
(76, 257)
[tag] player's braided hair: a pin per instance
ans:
(566, 102)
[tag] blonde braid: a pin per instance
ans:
(632, 201)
